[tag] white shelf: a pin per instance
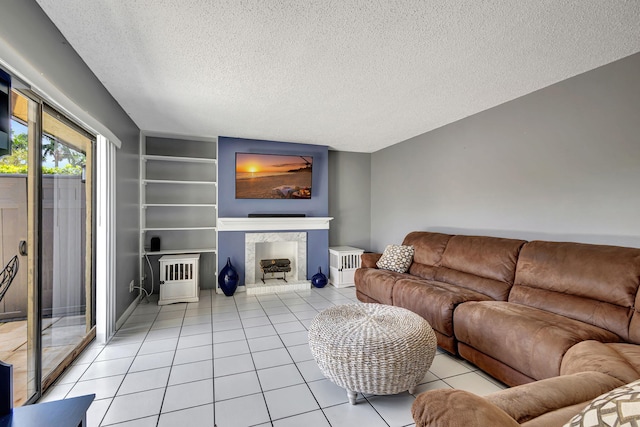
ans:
(181, 251)
(179, 205)
(171, 181)
(175, 228)
(178, 199)
(179, 159)
(273, 223)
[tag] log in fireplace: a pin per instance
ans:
(273, 266)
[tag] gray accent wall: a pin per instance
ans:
(30, 32)
(350, 199)
(562, 163)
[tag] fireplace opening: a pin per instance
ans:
(261, 247)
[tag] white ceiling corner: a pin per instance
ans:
(355, 75)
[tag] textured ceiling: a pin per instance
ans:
(356, 75)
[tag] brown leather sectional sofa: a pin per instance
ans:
(522, 312)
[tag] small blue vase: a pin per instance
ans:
(319, 280)
(228, 279)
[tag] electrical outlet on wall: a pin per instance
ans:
(132, 284)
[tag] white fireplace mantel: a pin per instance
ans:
(273, 223)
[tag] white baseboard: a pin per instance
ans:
(127, 313)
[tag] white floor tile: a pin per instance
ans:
(196, 320)
(310, 370)
(260, 331)
(102, 387)
(270, 358)
(73, 373)
(232, 348)
(327, 393)
(434, 385)
(149, 347)
(194, 341)
(280, 376)
(232, 365)
(236, 385)
(234, 412)
(300, 353)
(265, 343)
(163, 334)
(310, 419)
(473, 383)
(118, 351)
(285, 402)
(256, 321)
(200, 416)
(124, 408)
(167, 323)
(227, 336)
(226, 325)
(193, 354)
(96, 412)
(221, 317)
(348, 415)
(274, 311)
(188, 395)
(56, 392)
(152, 361)
(444, 366)
(282, 318)
(195, 371)
(285, 328)
(252, 313)
(202, 328)
(169, 315)
(107, 368)
(144, 380)
(140, 422)
(295, 338)
(395, 409)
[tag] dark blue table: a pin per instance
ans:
(70, 412)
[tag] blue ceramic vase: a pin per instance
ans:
(228, 279)
(319, 280)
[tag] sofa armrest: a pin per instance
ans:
(368, 260)
(457, 408)
(528, 401)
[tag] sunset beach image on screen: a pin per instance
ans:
(273, 176)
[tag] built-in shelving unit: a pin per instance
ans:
(178, 200)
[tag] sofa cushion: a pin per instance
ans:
(529, 340)
(594, 284)
(377, 284)
(620, 407)
(483, 264)
(428, 246)
(619, 360)
(434, 301)
(396, 258)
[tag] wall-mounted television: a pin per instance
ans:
(273, 176)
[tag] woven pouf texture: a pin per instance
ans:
(372, 348)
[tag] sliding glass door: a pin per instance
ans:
(46, 220)
(66, 241)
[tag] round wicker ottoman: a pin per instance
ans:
(372, 348)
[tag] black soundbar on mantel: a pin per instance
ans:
(277, 215)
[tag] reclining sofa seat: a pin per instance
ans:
(446, 272)
(563, 294)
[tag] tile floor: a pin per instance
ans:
(235, 361)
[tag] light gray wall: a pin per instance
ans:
(350, 199)
(28, 29)
(562, 163)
